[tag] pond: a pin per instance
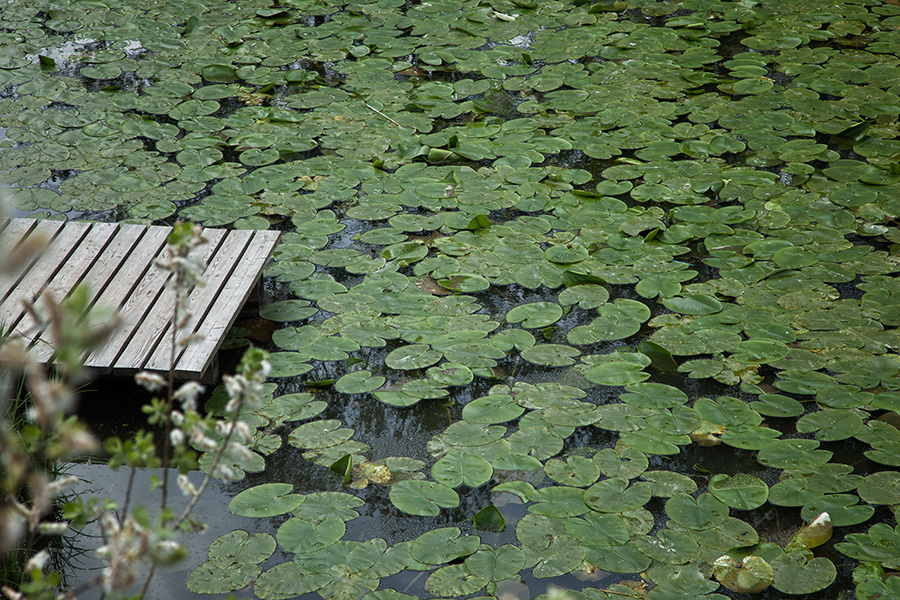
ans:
(582, 294)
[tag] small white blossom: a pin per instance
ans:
(187, 488)
(201, 441)
(187, 394)
(38, 561)
(53, 528)
(168, 552)
(152, 382)
(61, 485)
(240, 451)
(224, 472)
(244, 431)
(177, 436)
(11, 593)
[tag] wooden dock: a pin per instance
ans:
(115, 261)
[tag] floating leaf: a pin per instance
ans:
(490, 519)
(796, 573)
(454, 580)
(415, 356)
(741, 491)
(425, 498)
(496, 565)
(749, 576)
(535, 315)
(458, 467)
(616, 496)
(358, 382)
(300, 536)
(550, 355)
(443, 545)
(693, 304)
(265, 500)
(701, 513)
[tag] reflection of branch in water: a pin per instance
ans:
(415, 579)
(67, 552)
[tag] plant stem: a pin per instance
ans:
(212, 469)
(124, 511)
(170, 397)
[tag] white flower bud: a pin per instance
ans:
(38, 561)
(150, 381)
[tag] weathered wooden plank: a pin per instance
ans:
(116, 263)
(84, 256)
(132, 291)
(219, 269)
(15, 237)
(197, 357)
(53, 259)
(157, 322)
(96, 279)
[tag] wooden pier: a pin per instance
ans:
(115, 261)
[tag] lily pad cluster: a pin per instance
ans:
(608, 240)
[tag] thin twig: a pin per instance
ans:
(212, 469)
(146, 584)
(375, 110)
(124, 510)
(170, 398)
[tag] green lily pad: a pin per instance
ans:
(451, 374)
(796, 573)
(616, 496)
(233, 562)
(693, 304)
(319, 434)
(359, 382)
(550, 355)
(843, 509)
(490, 519)
(443, 545)
(793, 454)
(498, 564)
(300, 536)
(831, 425)
(699, 513)
(454, 580)
(740, 491)
(535, 315)
(425, 498)
(458, 467)
(414, 356)
(665, 484)
(320, 506)
(881, 488)
(492, 409)
(577, 471)
(621, 461)
(265, 500)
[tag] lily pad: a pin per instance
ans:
(535, 315)
(415, 356)
(458, 467)
(699, 513)
(425, 498)
(443, 545)
(301, 536)
(741, 491)
(796, 573)
(265, 500)
(550, 355)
